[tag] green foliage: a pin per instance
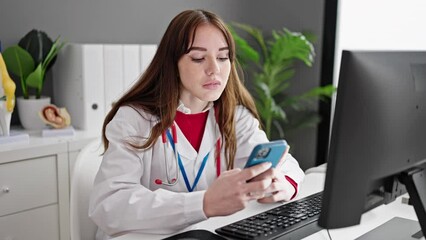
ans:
(31, 58)
(272, 67)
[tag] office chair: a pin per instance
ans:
(318, 169)
(85, 169)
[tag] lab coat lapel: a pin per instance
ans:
(209, 137)
(184, 147)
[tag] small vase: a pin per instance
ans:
(28, 110)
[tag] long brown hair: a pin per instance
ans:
(156, 90)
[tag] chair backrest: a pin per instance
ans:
(85, 169)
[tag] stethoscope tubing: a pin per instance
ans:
(173, 181)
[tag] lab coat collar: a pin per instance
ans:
(208, 142)
(182, 108)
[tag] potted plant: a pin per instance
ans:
(29, 60)
(272, 67)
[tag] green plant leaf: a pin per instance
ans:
(321, 92)
(289, 45)
(302, 119)
(245, 53)
(306, 99)
(256, 34)
(56, 47)
(280, 88)
(310, 36)
(35, 79)
(18, 61)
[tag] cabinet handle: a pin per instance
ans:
(6, 189)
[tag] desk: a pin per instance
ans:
(314, 182)
(37, 178)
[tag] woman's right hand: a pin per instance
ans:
(231, 191)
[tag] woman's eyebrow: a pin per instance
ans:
(205, 49)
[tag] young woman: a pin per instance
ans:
(177, 141)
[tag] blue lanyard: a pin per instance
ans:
(182, 168)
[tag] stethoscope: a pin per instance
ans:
(171, 181)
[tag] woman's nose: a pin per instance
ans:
(213, 67)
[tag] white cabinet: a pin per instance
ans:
(34, 187)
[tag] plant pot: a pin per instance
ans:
(28, 110)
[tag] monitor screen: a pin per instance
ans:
(378, 134)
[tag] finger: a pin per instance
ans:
(231, 172)
(279, 183)
(269, 199)
(273, 187)
(280, 190)
(275, 197)
(267, 174)
(249, 173)
(255, 195)
(257, 186)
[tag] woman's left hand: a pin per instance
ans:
(279, 190)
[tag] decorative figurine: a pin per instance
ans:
(55, 117)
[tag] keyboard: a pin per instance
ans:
(294, 220)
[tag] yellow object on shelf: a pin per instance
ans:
(8, 84)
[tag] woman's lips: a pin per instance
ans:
(212, 85)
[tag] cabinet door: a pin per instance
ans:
(28, 184)
(38, 224)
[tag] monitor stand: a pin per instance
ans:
(400, 228)
(397, 228)
(415, 181)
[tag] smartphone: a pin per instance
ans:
(268, 152)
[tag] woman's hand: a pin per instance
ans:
(279, 190)
(232, 190)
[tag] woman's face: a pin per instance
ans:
(204, 70)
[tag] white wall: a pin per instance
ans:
(380, 25)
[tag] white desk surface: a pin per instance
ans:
(314, 182)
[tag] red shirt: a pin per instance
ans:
(192, 126)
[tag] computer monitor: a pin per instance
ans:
(378, 138)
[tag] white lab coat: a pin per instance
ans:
(125, 197)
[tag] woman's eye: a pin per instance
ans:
(197, 59)
(223, 59)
